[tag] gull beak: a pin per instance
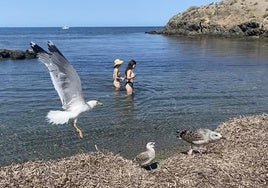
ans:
(100, 104)
(224, 138)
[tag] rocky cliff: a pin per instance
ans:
(225, 18)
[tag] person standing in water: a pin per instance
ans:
(116, 74)
(129, 76)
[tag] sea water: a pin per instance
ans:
(181, 83)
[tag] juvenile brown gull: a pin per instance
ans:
(145, 158)
(198, 137)
(67, 84)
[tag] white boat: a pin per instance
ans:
(65, 27)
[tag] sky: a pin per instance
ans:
(92, 13)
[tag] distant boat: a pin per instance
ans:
(65, 27)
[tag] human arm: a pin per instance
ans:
(130, 75)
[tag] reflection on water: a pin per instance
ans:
(129, 104)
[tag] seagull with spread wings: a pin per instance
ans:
(67, 84)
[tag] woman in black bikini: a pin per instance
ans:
(129, 76)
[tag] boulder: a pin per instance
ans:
(17, 54)
(4, 53)
(29, 54)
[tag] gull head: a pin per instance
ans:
(94, 103)
(150, 145)
(213, 136)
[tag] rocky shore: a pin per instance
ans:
(228, 18)
(239, 161)
(16, 54)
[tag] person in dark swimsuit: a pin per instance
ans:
(129, 76)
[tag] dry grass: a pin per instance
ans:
(239, 161)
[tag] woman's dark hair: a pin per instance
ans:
(130, 65)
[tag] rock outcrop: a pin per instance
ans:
(225, 18)
(17, 54)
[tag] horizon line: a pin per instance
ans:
(70, 26)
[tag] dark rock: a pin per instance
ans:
(29, 54)
(4, 53)
(236, 30)
(154, 32)
(17, 54)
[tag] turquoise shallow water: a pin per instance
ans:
(181, 83)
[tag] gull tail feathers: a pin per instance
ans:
(180, 133)
(58, 117)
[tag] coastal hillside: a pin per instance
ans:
(239, 161)
(227, 18)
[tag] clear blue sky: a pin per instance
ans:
(91, 13)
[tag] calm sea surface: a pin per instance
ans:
(181, 83)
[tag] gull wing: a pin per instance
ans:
(191, 136)
(142, 157)
(64, 77)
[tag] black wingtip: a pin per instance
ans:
(32, 44)
(36, 48)
(52, 48)
(180, 133)
(50, 42)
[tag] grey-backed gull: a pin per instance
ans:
(68, 85)
(145, 158)
(198, 137)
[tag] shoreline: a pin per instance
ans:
(241, 160)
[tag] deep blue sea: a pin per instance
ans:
(181, 83)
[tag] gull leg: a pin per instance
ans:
(197, 149)
(202, 150)
(190, 151)
(77, 129)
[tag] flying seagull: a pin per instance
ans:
(68, 85)
(198, 137)
(145, 158)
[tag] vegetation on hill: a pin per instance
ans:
(225, 18)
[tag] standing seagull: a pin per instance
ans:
(198, 137)
(146, 157)
(68, 85)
